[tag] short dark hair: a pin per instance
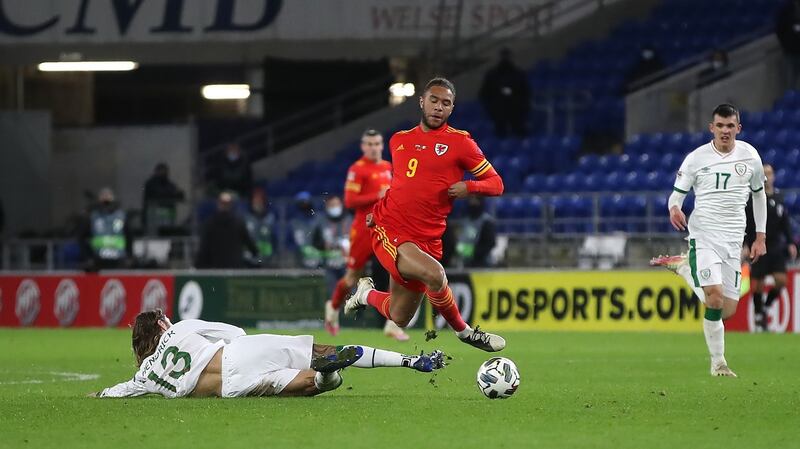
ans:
(726, 110)
(371, 132)
(441, 82)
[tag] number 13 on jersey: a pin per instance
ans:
(412, 167)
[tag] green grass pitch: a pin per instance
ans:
(587, 390)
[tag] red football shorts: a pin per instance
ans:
(360, 247)
(384, 245)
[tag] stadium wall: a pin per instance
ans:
(676, 104)
(499, 300)
(118, 157)
(25, 170)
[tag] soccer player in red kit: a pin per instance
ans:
(407, 224)
(367, 181)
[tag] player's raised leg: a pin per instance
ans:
(413, 263)
(679, 265)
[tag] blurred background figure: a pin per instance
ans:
(787, 29)
(224, 238)
(649, 62)
(303, 226)
(105, 238)
(334, 233)
(780, 244)
(261, 224)
(476, 235)
(332, 239)
(234, 173)
(506, 96)
(161, 196)
(2, 228)
(717, 68)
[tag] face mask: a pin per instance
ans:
(647, 54)
(334, 212)
(233, 157)
(717, 64)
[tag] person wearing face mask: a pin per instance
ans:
(161, 196)
(234, 172)
(331, 237)
(477, 235)
(106, 239)
(260, 222)
(304, 225)
(649, 63)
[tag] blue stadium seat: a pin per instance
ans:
(614, 181)
(588, 163)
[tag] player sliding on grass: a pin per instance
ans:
(200, 358)
(723, 174)
(428, 165)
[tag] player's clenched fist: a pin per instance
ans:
(458, 190)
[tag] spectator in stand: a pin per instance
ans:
(161, 196)
(717, 69)
(234, 173)
(506, 96)
(105, 238)
(787, 28)
(649, 63)
(261, 224)
(224, 238)
(304, 226)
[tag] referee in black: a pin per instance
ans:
(780, 244)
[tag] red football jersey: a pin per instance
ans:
(425, 165)
(365, 179)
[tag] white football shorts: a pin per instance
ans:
(263, 364)
(716, 263)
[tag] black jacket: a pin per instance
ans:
(223, 241)
(779, 228)
(236, 176)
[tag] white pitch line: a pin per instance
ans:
(63, 377)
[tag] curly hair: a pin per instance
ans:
(146, 334)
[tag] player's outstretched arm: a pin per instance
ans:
(127, 389)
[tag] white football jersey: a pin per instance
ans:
(722, 185)
(181, 355)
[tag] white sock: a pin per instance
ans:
(465, 333)
(327, 381)
(686, 273)
(374, 358)
(715, 339)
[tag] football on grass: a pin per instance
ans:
(498, 378)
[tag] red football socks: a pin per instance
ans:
(339, 292)
(444, 303)
(381, 302)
